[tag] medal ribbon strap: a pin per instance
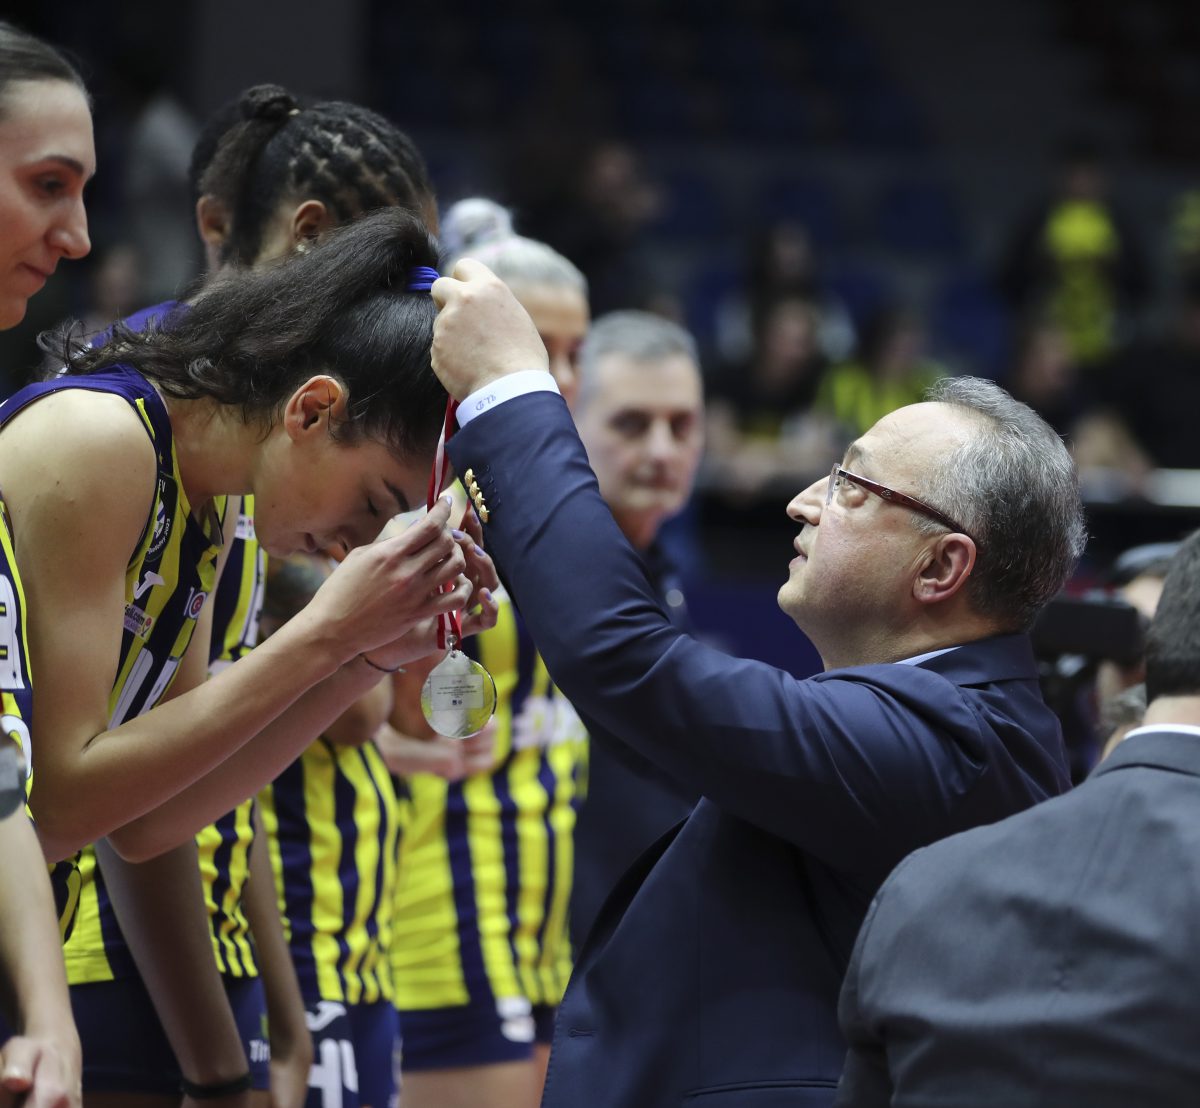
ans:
(449, 625)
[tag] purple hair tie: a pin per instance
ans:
(421, 279)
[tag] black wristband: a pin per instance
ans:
(382, 669)
(217, 1089)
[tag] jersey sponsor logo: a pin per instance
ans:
(195, 603)
(162, 521)
(244, 528)
(137, 622)
(327, 1011)
(148, 581)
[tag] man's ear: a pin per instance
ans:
(313, 406)
(309, 220)
(950, 562)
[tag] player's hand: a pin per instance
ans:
(482, 332)
(40, 1072)
(450, 759)
(383, 590)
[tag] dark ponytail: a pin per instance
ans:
(269, 146)
(341, 308)
(26, 58)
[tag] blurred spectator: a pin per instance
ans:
(1046, 377)
(1137, 578)
(1076, 258)
(1155, 385)
(890, 371)
(157, 194)
(782, 263)
(1120, 715)
(760, 425)
(599, 224)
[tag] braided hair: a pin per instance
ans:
(270, 146)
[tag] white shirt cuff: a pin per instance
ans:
(502, 389)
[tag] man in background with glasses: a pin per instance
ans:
(712, 972)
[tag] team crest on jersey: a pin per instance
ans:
(137, 622)
(195, 603)
(244, 529)
(162, 521)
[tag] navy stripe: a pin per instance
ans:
(225, 602)
(226, 826)
(381, 861)
(343, 817)
(458, 848)
(549, 781)
(295, 851)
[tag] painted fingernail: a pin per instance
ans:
(449, 499)
(459, 534)
(480, 551)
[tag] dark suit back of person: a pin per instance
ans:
(1051, 959)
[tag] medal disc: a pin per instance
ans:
(458, 697)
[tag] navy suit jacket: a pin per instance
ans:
(712, 973)
(1051, 959)
(629, 803)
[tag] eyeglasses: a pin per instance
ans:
(837, 475)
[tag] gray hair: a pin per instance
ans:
(483, 229)
(638, 336)
(1014, 488)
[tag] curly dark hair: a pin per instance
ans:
(341, 308)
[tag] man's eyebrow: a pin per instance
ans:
(854, 455)
(401, 499)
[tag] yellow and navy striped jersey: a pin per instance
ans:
(485, 864)
(330, 818)
(224, 846)
(16, 704)
(167, 583)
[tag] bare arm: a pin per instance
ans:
(291, 1043)
(160, 907)
(43, 1057)
(73, 544)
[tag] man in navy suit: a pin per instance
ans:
(640, 416)
(1052, 958)
(711, 975)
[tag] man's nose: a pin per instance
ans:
(806, 506)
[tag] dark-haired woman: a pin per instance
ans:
(270, 174)
(306, 384)
(46, 156)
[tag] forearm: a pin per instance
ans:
(31, 960)
(160, 907)
(285, 1004)
(180, 741)
(246, 770)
